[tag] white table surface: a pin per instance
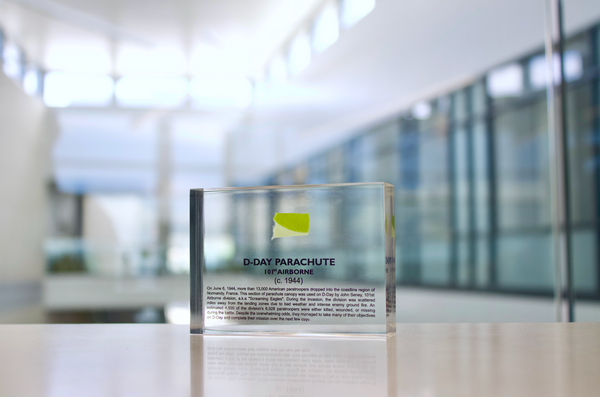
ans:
(423, 360)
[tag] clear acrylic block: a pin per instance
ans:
(305, 259)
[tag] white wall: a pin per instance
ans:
(27, 130)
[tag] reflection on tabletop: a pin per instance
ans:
(423, 360)
(292, 366)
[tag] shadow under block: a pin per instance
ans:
(306, 259)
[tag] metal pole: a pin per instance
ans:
(559, 164)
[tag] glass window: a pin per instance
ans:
(197, 145)
(70, 89)
(436, 122)
(135, 61)
(482, 260)
(286, 178)
(582, 46)
(73, 58)
(207, 60)
(364, 158)
(409, 155)
(459, 106)
(386, 155)
(336, 166)
(583, 160)
(435, 255)
(151, 91)
(582, 62)
(277, 70)
(527, 262)
(104, 154)
(462, 215)
(481, 212)
(585, 270)
(220, 92)
(300, 174)
(522, 167)
(83, 179)
(433, 198)
(461, 178)
(317, 170)
(481, 176)
(478, 99)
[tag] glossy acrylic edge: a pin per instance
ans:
(284, 187)
(390, 252)
(196, 260)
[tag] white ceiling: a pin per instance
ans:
(253, 28)
(403, 51)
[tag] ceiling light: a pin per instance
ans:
(326, 29)
(538, 68)
(79, 59)
(422, 110)
(353, 11)
(505, 81)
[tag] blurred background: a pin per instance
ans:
(112, 110)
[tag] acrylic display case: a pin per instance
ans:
(306, 259)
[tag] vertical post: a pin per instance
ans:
(163, 187)
(471, 197)
(452, 202)
(559, 167)
(79, 204)
(596, 128)
(196, 260)
(112, 46)
(493, 193)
